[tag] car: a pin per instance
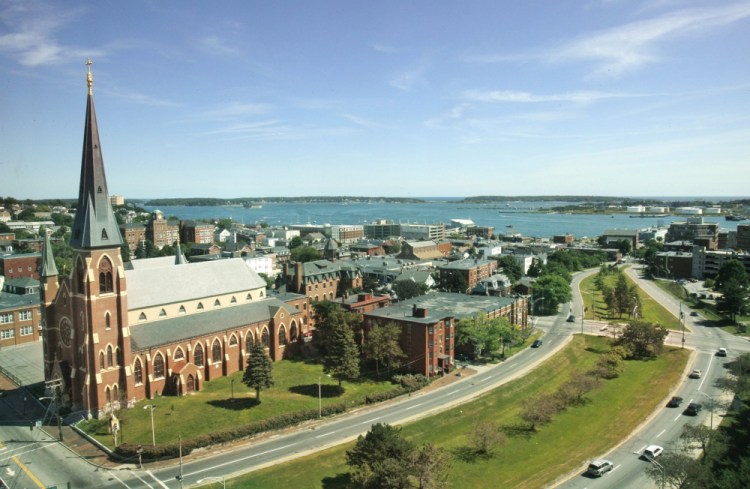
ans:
(695, 374)
(722, 352)
(694, 313)
(536, 344)
(571, 319)
(651, 452)
(599, 467)
(674, 402)
(692, 409)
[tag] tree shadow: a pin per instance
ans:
(311, 390)
(470, 455)
(236, 404)
(340, 481)
(518, 430)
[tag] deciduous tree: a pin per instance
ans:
(406, 289)
(643, 339)
(382, 345)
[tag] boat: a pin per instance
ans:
(734, 217)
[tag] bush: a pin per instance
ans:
(385, 395)
(410, 382)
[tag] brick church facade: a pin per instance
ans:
(118, 332)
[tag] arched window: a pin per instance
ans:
(182, 310)
(262, 294)
(179, 354)
(104, 235)
(200, 306)
(101, 360)
(80, 277)
(264, 337)
(216, 352)
(249, 341)
(108, 394)
(105, 276)
(198, 355)
(115, 393)
(233, 340)
(138, 372)
(191, 383)
(293, 331)
(217, 303)
(282, 335)
(249, 297)
(110, 360)
(142, 317)
(233, 300)
(159, 366)
(107, 321)
(163, 313)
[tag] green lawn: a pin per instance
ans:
(527, 459)
(213, 409)
(650, 311)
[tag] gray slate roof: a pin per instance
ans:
(166, 331)
(441, 305)
(150, 287)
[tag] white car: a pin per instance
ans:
(695, 374)
(652, 451)
(599, 467)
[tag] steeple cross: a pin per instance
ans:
(89, 78)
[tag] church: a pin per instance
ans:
(116, 332)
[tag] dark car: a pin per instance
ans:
(571, 319)
(674, 402)
(693, 409)
(693, 313)
(536, 344)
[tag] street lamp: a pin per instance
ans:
(153, 433)
(213, 479)
(682, 324)
(712, 407)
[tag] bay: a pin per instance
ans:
(515, 217)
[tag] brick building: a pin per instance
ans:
(20, 265)
(472, 270)
(20, 316)
(322, 279)
(196, 232)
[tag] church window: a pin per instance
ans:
(233, 301)
(182, 310)
(200, 306)
(108, 394)
(162, 313)
(282, 335)
(101, 360)
(99, 190)
(104, 235)
(159, 366)
(233, 340)
(217, 303)
(115, 393)
(216, 352)
(142, 317)
(138, 371)
(178, 354)
(249, 341)
(107, 321)
(249, 297)
(262, 294)
(105, 276)
(264, 337)
(198, 355)
(110, 359)
(80, 277)
(293, 331)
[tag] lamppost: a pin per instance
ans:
(213, 479)
(711, 407)
(320, 399)
(682, 324)
(153, 433)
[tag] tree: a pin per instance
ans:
(382, 345)
(510, 267)
(455, 282)
(558, 269)
(734, 299)
(699, 433)
(481, 332)
(259, 372)
(674, 469)
(538, 410)
(485, 437)
(572, 391)
(269, 281)
(732, 270)
(554, 289)
(642, 339)
(535, 269)
(394, 248)
(406, 289)
(305, 254)
(430, 466)
(381, 458)
(295, 242)
(341, 355)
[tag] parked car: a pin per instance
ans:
(536, 344)
(599, 467)
(694, 313)
(674, 402)
(651, 452)
(693, 409)
(695, 374)
(571, 319)
(722, 352)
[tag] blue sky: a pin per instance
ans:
(386, 98)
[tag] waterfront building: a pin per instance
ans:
(697, 230)
(20, 315)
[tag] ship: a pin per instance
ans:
(734, 217)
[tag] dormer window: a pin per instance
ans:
(99, 190)
(200, 306)
(182, 310)
(104, 234)
(217, 303)
(162, 313)
(142, 317)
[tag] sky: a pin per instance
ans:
(415, 98)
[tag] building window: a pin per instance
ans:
(198, 355)
(162, 313)
(293, 332)
(6, 318)
(115, 393)
(101, 360)
(233, 301)
(282, 335)
(108, 394)
(142, 317)
(24, 316)
(233, 340)
(27, 330)
(107, 319)
(264, 337)
(200, 306)
(6, 334)
(178, 354)
(138, 371)
(110, 360)
(159, 366)
(217, 303)
(249, 341)
(216, 352)
(182, 310)
(105, 276)
(80, 277)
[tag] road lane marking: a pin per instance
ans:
(678, 417)
(325, 434)
(661, 433)
(640, 449)
(370, 421)
(157, 480)
(28, 473)
(112, 474)
(230, 462)
(414, 406)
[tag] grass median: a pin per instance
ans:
(528, 459)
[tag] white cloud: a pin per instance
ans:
(214, 45)
(582, 97)
(363, 122)
(408, 78)
(239, 109)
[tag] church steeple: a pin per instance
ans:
(48, 268)
(95, 225)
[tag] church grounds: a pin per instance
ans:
(527, 459)
(227, 403)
